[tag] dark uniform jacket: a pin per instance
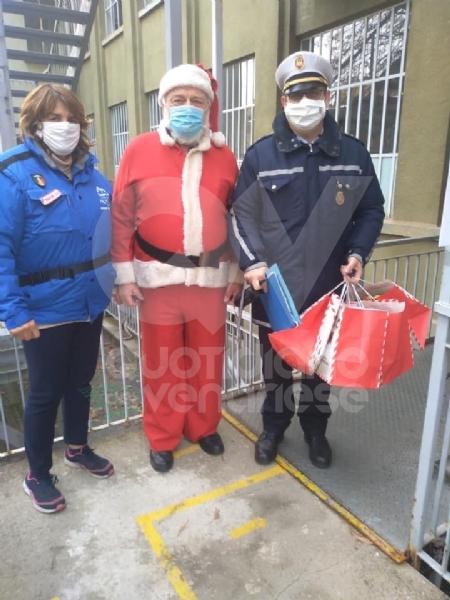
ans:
(306, 207)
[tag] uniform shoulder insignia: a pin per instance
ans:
(4, 164)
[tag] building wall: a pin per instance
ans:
(130, 64)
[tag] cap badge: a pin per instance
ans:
(299, 62)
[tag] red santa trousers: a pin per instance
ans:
(183, 335)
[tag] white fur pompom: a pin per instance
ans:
(218, 139)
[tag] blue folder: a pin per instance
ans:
(278, 303)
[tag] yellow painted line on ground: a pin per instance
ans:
(174, 574)
(163, 513)
(238, 532)
(146, 523)
(396, 555)
(185, 451)
(55, 598)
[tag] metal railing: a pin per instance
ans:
(117, 386)
(430, 526)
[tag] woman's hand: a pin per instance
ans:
(26, 332)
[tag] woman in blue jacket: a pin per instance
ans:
(56, 278)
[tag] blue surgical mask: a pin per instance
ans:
(186, 121)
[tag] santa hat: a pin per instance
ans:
(199, 77)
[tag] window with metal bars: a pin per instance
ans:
(113, 16)
(154, 110)
(119, 121)
(239, 105)
(368, 58)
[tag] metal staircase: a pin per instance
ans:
(40, 41)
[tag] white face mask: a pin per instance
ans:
(61, 137)
(306, 114)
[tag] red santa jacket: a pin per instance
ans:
(178, 202)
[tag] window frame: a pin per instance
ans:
(154, 110)
(120, 131)
(113, 16)
(381, 86)
(245, 69)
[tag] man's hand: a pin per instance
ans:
(352, 271)
(233, 290)
(29, 331)
(128, 294)
(257, 278)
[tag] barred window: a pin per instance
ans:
(90, 132)
(119, 120)
(113, 16)
(239, 105)
(155, 113)
(368, 58)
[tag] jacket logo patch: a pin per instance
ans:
(38, 180)
(104, 198)
(50, 197)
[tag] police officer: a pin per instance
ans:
(308, 199)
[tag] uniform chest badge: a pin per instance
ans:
(38, 180)
(340, 198)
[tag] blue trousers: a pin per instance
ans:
(278, 407)
(61, 364)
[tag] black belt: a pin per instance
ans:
(206, 259)
(63, 272)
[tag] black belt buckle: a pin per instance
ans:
(66, 273)
(209, 259)
(203, 259)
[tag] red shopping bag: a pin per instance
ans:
(369, 346)
(302, 346)
(417, 313)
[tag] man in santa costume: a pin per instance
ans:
(170, 251)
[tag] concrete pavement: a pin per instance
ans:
(212, 529)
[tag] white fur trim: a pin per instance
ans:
(124, 273)
(218, 139)
(185, 75)
(190, 197)
(153, 274)
(164, 137)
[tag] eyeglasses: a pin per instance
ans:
(314, 94)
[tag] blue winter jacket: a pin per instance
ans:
(306, 207)
(38, 233)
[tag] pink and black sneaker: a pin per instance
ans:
(85, 458)
(43, 493)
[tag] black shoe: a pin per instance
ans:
(267, 447)
(212, 444)
(319, 450)
(161, 461)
